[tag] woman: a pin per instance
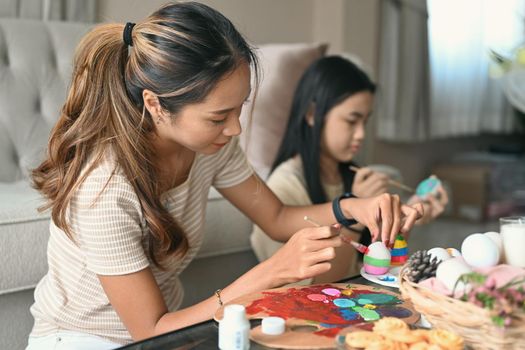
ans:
(149, 125)
(326, 128)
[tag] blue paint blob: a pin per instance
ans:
(341, 302)
(349, 314)
(387, 279)
(329, 325)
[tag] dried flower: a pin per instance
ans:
(503, 302)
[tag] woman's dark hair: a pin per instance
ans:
(325, 84)
(179, 53)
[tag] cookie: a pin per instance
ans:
(446, 339)
(361, 339)
(404, 336)
(390, 324)
(386, 344)
(422, 333)
(424, 346)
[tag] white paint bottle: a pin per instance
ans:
(234, 329)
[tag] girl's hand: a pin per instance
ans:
(384, 215)
(306, 254)
(434, 205)
(369, 183)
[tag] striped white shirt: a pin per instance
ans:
(110, 238)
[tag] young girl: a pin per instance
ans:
(150, 123)
(326, 128)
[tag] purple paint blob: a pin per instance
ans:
(317, 297)
(394, 311)
(344, 302)
(332, 292)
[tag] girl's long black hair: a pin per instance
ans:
(325, 84)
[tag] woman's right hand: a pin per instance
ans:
(369, 183)
(306, 254)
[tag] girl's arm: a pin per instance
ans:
(384, 215)
(140, 305)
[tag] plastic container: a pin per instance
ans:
(234, 329)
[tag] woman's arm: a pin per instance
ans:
(384, 215)
(139, 303)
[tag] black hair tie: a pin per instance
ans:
(126, 36)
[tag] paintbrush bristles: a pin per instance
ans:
(312, 221)
(358, 246)
(390, 181)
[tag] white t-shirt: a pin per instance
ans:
(110, 238)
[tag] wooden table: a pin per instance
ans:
(205, 335)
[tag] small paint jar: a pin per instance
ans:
(234, 329)
(273, 325)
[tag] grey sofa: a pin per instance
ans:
(35, 67)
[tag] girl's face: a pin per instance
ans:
(344, 127)
(207, 126)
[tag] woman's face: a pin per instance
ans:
(344, 127)
(207, 126)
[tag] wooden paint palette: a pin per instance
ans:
(316, 314)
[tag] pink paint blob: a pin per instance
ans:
(332, 292)
(317, 297)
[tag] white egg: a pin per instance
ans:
(496, 238)
(453, 252)
(479, 250)
(449, 271)
(439, 254)
(378, 250)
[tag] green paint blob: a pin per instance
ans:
(377, 299)
(367, 314)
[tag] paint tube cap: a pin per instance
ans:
(234, 313)
(272, 325)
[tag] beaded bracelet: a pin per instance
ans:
(218, 295)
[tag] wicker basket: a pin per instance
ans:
(473, 323)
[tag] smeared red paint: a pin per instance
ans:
(294, 303)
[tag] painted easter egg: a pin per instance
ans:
(496, 238)
(479, 250)
(449, 271)
(453, 252)
(439, 254)
(377, 259)
(399, 254)
(428, 186)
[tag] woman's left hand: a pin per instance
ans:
(433, 205)
(384, 215)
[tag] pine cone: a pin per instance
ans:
(421, 266)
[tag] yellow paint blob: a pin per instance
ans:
(369, 306)
(347, 292)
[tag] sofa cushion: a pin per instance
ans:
(23, 237)
(33, 78)
(24, 233)
(281, 66)
(226, 230)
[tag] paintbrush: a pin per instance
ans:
(390, 181)
(358, 246)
